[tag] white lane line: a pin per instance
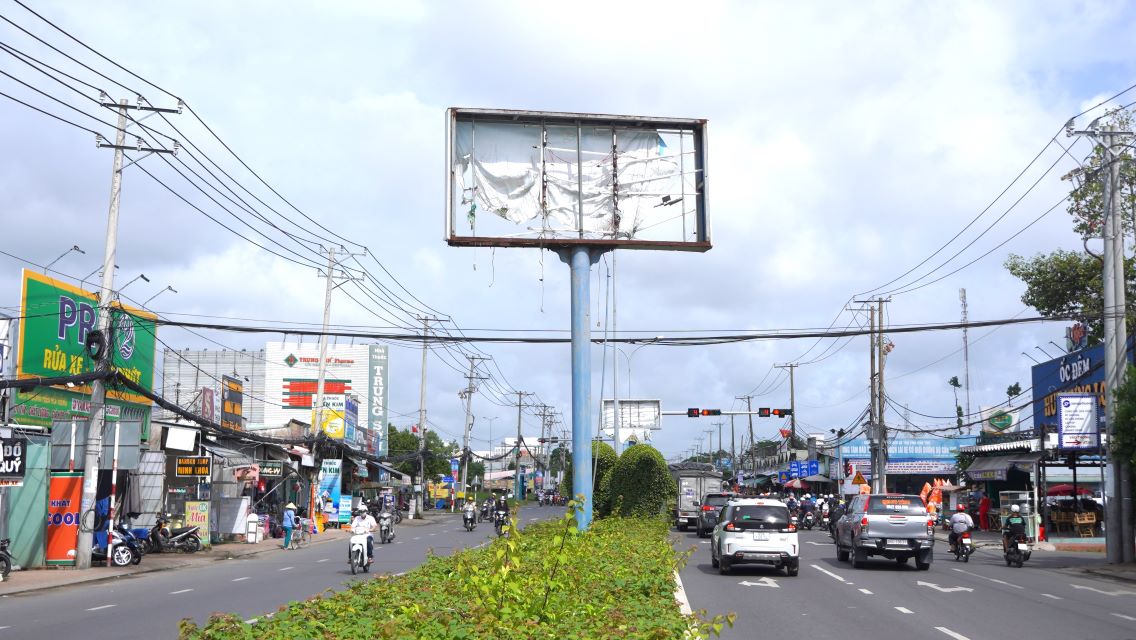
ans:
(323, 560)
(418, 538)
(826, 572)
(1002, 582)
(1118, 615)
(287, 568)
(107, 606)
(819, 544)
(239, 579)
(3, 628)
(865, 592)
(174, 593)
(904, 610)
(955, 635)
(1051, 596)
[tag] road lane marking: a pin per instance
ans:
(1118, 592)
(936, 587)
(1002, 582)
(819, 544)
(1050, 595)
(956, 636)
(287, 568)
(418, 538)
(239, 579)
(323, 560)
(904, 610)
(865, 592)
(174, 593)
(680, 595)
(827, 572)
(1118, 615)
(107, 606)
(764, 582)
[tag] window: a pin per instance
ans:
(760, 517)
(897, 505)
(717, 499)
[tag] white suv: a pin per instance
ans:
(755, 531)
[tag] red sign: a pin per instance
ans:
(63, 497)
(785, 433)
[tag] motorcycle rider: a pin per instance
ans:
(469, 510)
(961, 522)
(1013, 526)
(363, 519)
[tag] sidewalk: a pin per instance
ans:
(51, 578)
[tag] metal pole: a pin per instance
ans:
(616, 416)
(98, 387)
(580, 259)
(733, 454)
(517, 450)
(322, 370)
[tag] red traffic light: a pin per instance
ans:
(711, 412)
(693, 412)
(763, 412)
(781, 413)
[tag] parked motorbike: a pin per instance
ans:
(357, 555)
(386, 527)
(469, 517)
(5, 558)
(123, 551)
(808, 520)
(963, 547)
(163, 539)
(1017, 551)
(500, 519)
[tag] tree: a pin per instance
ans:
(640, 483)
(955, 386)
(1124, 438)
(1012, 392)
(403, 442)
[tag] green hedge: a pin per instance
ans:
(640, 483)
(615, 581)
(604, 459)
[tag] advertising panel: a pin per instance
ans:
(206, 411)
(376, 409)
(332, 420)
(350, 419)
(1076, 373)
(57, 317)
(1078, 427)
(330, 484)
(232, 403)
(63, 496)
(192, 466)
(291, 373)
(197, 515)
(929, 455)
(13, 456)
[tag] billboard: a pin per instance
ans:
(910, 455)
(232, 403)
(376, 409)
(332, 420)
(56, 319)
(1078, 372)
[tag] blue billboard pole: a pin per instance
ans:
(580, 259)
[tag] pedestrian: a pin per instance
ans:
(289, 523)
(984, 513)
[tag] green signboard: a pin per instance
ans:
(1001, 420)
(43, 406)
(56, 320)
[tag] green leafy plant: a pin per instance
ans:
(641, 482)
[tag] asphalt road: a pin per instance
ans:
(150, 605)
(1051, 597)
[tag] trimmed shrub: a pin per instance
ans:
(640, 483)
(603, 459)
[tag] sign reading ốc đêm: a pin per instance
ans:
(57, 317)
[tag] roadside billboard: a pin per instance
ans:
(376, 410)
(64, 491)
(232, 403)
(56, 319)
(930, 455)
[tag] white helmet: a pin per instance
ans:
(1015, 508)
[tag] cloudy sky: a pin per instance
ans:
(847, 145)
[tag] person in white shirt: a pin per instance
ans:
(364, 520)
(961, 522)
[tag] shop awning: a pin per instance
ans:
(232, 459)
(380, 467)
(995, 467)
(360, 467)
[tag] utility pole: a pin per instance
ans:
(733, 455)
(719, 449)
(517, 453)
(881, 396)
(92, 455)
(792, 402)
(419, 493)
(321, 376)
(965, 354)
(749, 410)
(468, 393)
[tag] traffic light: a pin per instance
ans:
(693, 412)
(781, 413)
(763, 412)
(711, 412)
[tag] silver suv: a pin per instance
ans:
(890, 525)
(755, 531)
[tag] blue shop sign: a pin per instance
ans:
(1078, 372)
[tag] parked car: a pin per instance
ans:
(755, 531)
(711, 506)
(894, 526)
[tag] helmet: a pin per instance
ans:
(1015, 508)
(961, 507)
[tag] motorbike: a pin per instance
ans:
(5, 558)
(357, 555)
(386, 527)
(963, 547)
(500, 519)
(485, 510)
(123, 551)
(1017, 551)
(808, 520)
(162, 538)
(469, 517)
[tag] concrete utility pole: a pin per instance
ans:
(517, 453)
(792, 402)
(420, 491)
(468, 393)
(321, 376)
(92, 455)
(716, 451)
(965, 354)
(881, 396)
(749, 410)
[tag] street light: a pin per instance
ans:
(84, 280)
(74, 248)
(168, 288)
(123, 287)
(492, 445)
(629, 358)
